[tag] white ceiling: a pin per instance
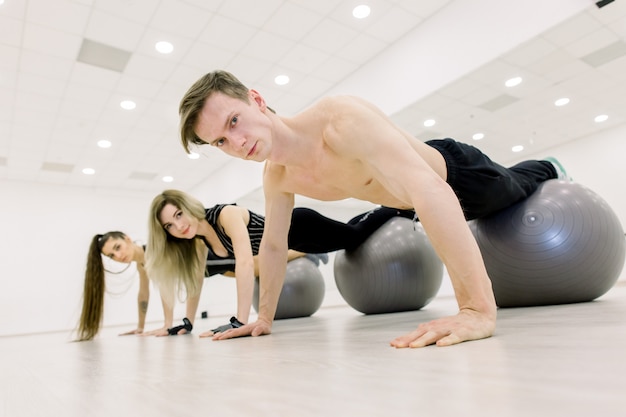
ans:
(53, 108)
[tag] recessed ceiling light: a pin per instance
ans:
(429, 123)
(517, 148)
(104, 143)
(193, 155)
(89, 171)
(128, 105)
(478, 136)
(164, 47)
(601, 118)
(512, 82)
(168, 178)
(281, 79)
(561, 102)
(361, 12)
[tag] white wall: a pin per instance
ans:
(47, 229)
(45, 236)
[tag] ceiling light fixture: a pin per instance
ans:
(561, 102)
(517, 148)
(89, 171)
(168, 178)
(512, 82)
(429, 122)
(164, 47)
(601, 118)
(104, 143)
(281, 79)
(128, 104)
(361, 12)
(478, 136)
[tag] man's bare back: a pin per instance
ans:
(330, 175)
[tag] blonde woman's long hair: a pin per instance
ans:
(174, 264)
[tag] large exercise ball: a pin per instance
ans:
(395, 269)
(302, 293)
(562, 244)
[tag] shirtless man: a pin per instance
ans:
(344, 147)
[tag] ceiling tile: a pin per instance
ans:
(138, 11)
(596, 41)
(45, 65)
(292, 22)
(254, 13)
(113, 31)
(530, 52)
(304, 59)
(268, 47)
(362, 48)
(239, 33)
(423, 8)
(67, 16)
(180, 18)
(10, 31)
(329, 36)
(151, 68)
(393, 23)
(208, 57)
(103, 56)
(606, 54)
(498, 102)
(572, 30)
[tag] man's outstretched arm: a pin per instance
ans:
(272, 264)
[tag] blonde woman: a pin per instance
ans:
(186, 239)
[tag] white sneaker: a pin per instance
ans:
(560, 171)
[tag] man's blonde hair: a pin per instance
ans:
(194, 99)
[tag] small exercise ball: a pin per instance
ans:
(562, 244)
(395, 269)
(303, 290)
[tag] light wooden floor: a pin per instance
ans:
(565, 360)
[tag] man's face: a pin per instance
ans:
(238, 128)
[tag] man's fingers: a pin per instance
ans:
(406, 340)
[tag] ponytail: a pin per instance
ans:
(94, 287)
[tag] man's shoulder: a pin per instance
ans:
(273, 170)
(339, 100)
(275, 177)
(334, 103)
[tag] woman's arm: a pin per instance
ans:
(143, 298)
(193, 300)
(234, 220)
(168, 315)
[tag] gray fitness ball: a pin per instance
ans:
(395, 269)
(302, 293)
(563, 244)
